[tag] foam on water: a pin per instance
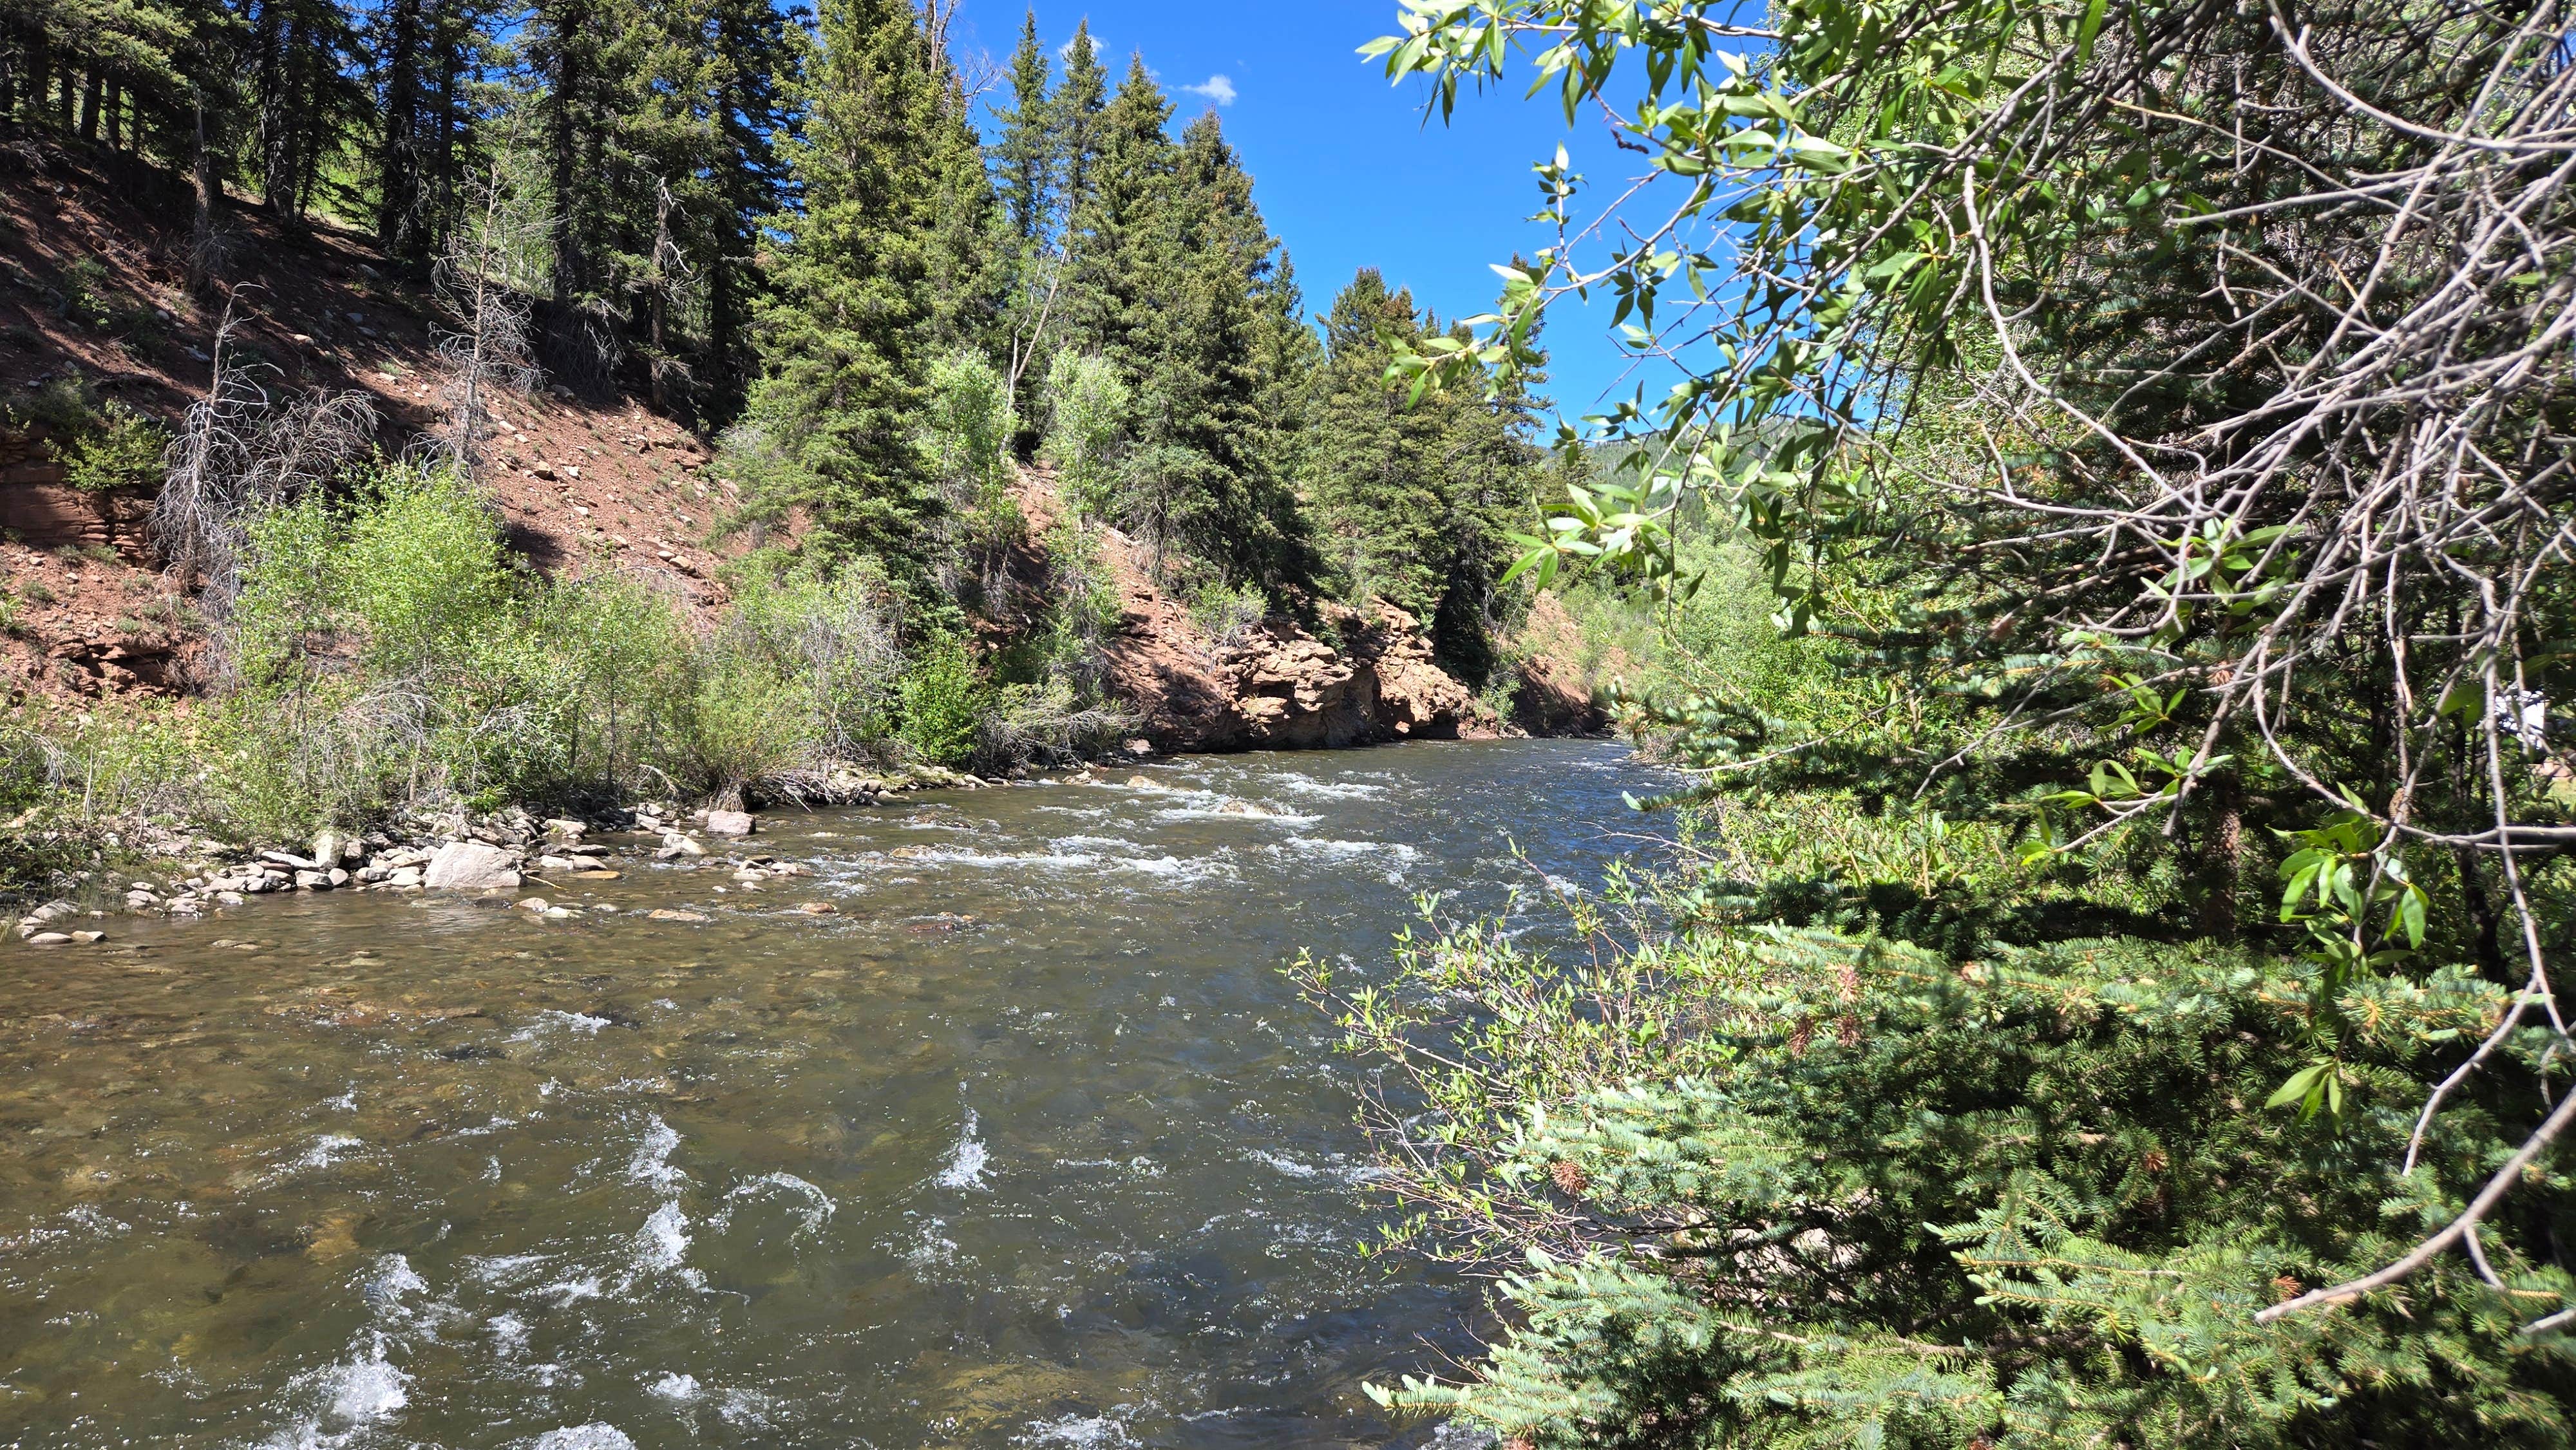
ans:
(506, 1269)
(1338, 1170)
(679, 1388)
(597, 1436)
(815, 1207)
(966, 1161)
(1079, 1432)
(352, 1395)
(389, 1283)
(580, 1024)
(1002, 860)
(1095, 844)
(651, 1164)
(1318, 846)
(1301, 783)
(931, 1248)
(572, 1291)
(746, 1407)
(662, 1244)
(1230, 808)
(327, 1150)
(509, 1335)
(1173, 868)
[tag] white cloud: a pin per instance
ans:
(1216, 88)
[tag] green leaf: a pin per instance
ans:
(2300, 1084)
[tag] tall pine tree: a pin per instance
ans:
(846, 328)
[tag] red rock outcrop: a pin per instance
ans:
(1278, 686)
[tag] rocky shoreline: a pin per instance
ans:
(453, 850)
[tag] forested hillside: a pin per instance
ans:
(969, 350)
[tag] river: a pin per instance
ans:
(1029, 1145)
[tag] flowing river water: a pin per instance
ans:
(1031, 1145)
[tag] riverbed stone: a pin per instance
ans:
(730, 823)
(471, 866)
(312, 881)
(667, 914)
(88, 938)
(50, 939)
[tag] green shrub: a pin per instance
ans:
(746, 722)
(121, 449)
(85, 288)
(967, 426)
(945, 700)
(1827, 1190)
(1046, 724)
(64, 407)
(1226, 615)
(622, 661)
(837, 631)
(1087, 420)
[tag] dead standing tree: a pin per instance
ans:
(243, 450)
(483, 276)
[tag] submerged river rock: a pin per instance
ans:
(1001, 1128)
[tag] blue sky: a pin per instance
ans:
(1345, 169)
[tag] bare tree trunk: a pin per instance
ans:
(660, 296)
(201, 242)
(39, 72)
(565, 151)
(445, 188)
(398, 198)
(89, 106)
(115, 114)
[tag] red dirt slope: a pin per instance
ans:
(92, 282)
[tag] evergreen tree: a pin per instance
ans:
(1119, 242)
(1024, 158)
(305, 95)
(969, 250)
(695, 147)
(1417, 501)
(1079, 104)
(571, 45)
(1207, 316)
(846, 328)
(1377, 498)
(422, 57)
(749, 83)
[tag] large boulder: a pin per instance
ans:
(729, 823)
(471, 866)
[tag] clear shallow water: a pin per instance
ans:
(1031, 1146)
